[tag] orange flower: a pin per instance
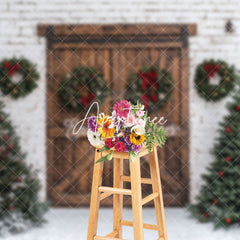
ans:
(104, 129)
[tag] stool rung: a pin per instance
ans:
(145, 225)
(149, 198)
(107, 238)
(115, 190)
(143, 180)
(104, 195)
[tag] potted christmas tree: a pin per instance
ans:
(19, 203)
(219, 198)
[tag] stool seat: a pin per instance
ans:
(101, 192)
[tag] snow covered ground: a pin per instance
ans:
(71, 224)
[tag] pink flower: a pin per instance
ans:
(140, 113)
(140, 122)
(122, 108)
(131, 120)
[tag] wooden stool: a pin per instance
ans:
(100, 192)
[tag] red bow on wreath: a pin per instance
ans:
(146, 98)
(211, 69)
(149, 78)
(86, 100)
(11, 68)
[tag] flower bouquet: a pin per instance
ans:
(126, 130)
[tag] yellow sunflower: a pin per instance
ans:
(104, 129)
(137, 139)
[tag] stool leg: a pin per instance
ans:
(136, 199)
(94, 205)
(117, 198)
(158, 201)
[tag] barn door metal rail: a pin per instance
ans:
(73, 34)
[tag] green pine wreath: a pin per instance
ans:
(81, 87)
(206, 70)
(28, 79)
(152, 86)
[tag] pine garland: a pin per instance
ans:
(206, 70)
(150, 85)
(81, 87)
(28, 82)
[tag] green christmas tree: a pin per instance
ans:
(19, 204)
(219, 198)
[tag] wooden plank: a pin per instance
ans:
(136, 199)
(115, 45)
(117, 198)
(73, 176)
(149, 198)
(184, 143)
(158, 201)
(115, 190)
(117, 29)
(50, 170)
(94, 205)
(145, 225)
(143, 180)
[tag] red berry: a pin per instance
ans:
(215, 202)
(220, 174)
(228, 220)
(19, 179)
(11, 207)
(10, 146)
(237, 108)
(2, 118)
(4, 154)
(228, 130)
(6, 65)
(228, 159)
(206, 214)
(5, 137)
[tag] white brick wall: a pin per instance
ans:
(18, 37)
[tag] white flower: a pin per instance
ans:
(142, 107)
(94, 138)
(138, 129)
(161, 95)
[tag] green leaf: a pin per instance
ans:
(106, 157)
(132, 156)
(104, 148)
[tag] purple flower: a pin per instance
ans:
(92, 124)
(117, 122)
(136, 148)
(126, 148)
(127, 140)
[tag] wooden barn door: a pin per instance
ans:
(116, 50)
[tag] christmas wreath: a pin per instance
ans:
(81, 87)
(17, 77)
(153, 87)
(207, 71)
